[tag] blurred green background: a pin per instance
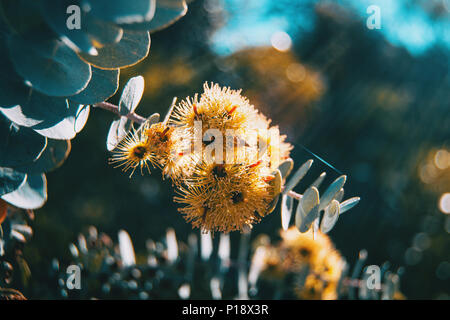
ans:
(373, 103)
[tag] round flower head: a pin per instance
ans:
(225, 197)
(134, 152)
(179, 163)
(149, 145)
(217, 108)
(314, 264)
(159, 140)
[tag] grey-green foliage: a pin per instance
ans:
(202, 268)
(51, 74)
(313, 210)
(14, 233)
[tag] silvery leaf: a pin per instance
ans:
(172, 245)
(307, 209)
(286, 211)
(298, 175)
(319, 180)
(276, 183)
(331, 192)
(286, 167)
(272, 205)
(126, 249)
(330, 216)
(340, 195)
(348, 204)
(206, 246)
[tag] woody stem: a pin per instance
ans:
(115, 109)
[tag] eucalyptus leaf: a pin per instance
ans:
(10, 180)
(307, 209)
(81, 117)
(340, 195)
(319, 180)
(30, 195)
(132, 48)
(53, 156)
(276, 183)
(298, 175)
(172, 245)
(330, 217)
(113, 138)
(286, 211)
(19, 145)
(126, 249)
(117, 131)
(332, 191)
(167, 12)
(131, 95)
(50, 66)
(272, 205)
(122, 11)
(103, 85)
(51, 117)
(348, 204)
(56, 16)
(154, 118)
(286, 167)
(12, 88)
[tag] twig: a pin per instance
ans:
(293, 194)
(115, 109)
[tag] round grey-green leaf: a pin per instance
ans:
(348, 204)
(167, 12)
(12, 89)
(132, 48)
(298, 175)
(330, 217)
(10, 180)
(286, 167)
(18, 145)
(53, 156)
(55, 14)
(30, 195)
(49, 66)
(131, 95)
(103, 85)
(117, 131)
(307, 209)
(286, 211)
(49, 116)
(332, 191)
(122, 11)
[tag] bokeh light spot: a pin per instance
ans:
(444, 203)
(442, 159)
(295, 72)
(281, 41)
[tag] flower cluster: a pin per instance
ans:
(220, 153)
(314, 264)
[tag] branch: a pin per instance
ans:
(293, 194)
(115, 109)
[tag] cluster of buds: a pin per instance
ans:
(221, 154)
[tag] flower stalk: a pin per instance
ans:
(115, 109)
